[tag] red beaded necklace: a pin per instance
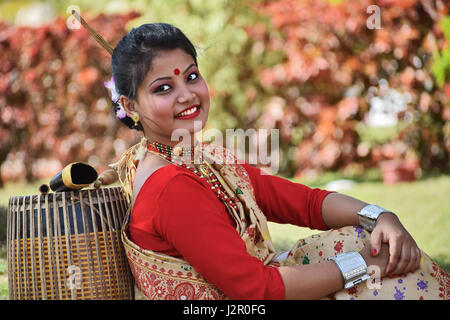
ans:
(175, 155)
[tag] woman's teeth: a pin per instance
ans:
(187, 112)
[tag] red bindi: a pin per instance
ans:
(176, 71)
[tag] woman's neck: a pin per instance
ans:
(191, 141)
(188, 153)
(184, 142)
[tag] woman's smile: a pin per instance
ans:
(189, 113)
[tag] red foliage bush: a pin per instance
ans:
(53, 107)
(332, 62)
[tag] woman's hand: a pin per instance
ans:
(380, 260)
(339, 210)
(404, 255)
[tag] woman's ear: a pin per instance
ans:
(127, 104)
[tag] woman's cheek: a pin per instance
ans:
(163, 106)
(204, 91)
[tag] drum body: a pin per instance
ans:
(67, 245)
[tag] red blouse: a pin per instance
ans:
(176, 213)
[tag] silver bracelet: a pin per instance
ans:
(368, 216)
(352, 266)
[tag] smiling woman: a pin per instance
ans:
(165, 101)
(132, 60)
(197, 224)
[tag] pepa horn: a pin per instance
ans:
(92, 32)
(74, 176)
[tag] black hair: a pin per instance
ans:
(133, 56)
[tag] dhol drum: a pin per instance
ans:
(67, 245)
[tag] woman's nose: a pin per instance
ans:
(186, 95)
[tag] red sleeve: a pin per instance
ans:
(283, 201)
(196, 223)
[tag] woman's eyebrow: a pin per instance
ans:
(190, 66)
(168, 78)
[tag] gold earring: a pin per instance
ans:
(135, 117)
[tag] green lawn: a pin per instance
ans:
(422, 206)
(3, 274)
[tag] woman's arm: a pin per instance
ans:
(311, 281)
(286, 202)
(318, 280)
(196, 226)
(339, 210)
(283, 201)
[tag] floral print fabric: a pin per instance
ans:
(429, 282)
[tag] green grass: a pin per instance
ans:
(423, 207)
(3, 274)
(19, 189)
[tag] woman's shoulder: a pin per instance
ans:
(174, 176)
(163, 178)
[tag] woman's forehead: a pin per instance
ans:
(165, 62)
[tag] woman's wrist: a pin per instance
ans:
(339, 210)
(387, 216)
(376, 259)
(366, 255)
(352, 266)
(311, 281)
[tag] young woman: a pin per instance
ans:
(197, 224)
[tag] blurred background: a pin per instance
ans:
(350, 89)
(360, 91)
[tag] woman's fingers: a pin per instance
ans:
(412, 261)
(403, 261)
(404, 257)
(395, 250)
(376, 238)
(418, 259)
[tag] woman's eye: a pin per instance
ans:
(192, 76)
(162, 88)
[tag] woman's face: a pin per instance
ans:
(172, 96)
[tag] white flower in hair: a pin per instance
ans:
(120, 113)
(112, 87)
(115, 97)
